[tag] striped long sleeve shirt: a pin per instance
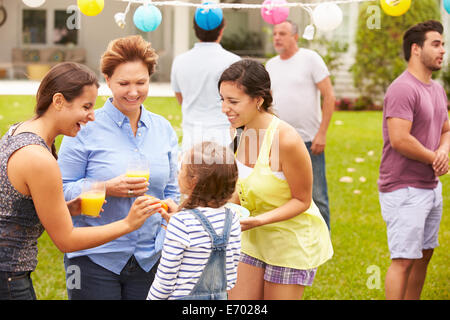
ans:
(186, 250)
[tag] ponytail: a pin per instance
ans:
(67, 78)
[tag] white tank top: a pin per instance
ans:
(245, 171)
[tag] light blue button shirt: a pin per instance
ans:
(101, 151)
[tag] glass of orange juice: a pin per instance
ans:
(92, 197)
(138, 167)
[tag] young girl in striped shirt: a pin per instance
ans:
(202, 245)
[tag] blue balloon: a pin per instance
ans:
(147, 18)
(208, 18)
(447, 5)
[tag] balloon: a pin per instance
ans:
(447, 5)
(395, 8)
(274, 15)
(91, 7)
(327, 16)
(208, 18)
(147, 17)
(33, 3)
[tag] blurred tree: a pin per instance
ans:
(330, 50)
(244, 43)
(446, 82)
(379, 58)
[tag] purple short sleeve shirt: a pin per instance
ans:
(425, 105)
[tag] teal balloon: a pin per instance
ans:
(147, 18)
(447, 5)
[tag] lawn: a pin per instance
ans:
(361, 256)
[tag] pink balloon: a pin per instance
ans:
(274, 15)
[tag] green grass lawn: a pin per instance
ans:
(358, 231)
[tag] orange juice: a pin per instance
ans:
(92, 202)
(138, 174)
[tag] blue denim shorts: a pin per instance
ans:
(412, 217)
(281, 275)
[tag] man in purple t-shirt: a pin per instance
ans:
(416, 134)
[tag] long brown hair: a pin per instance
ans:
(212, 168)
(252, 77)
(128, 49)
(67, 78)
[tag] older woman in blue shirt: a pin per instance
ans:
(123, 129)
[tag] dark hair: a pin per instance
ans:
(416, 34)
(208, 35)
(67, 78)
(214, 171)
(252, 77)
(128, 49)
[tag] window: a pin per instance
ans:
(50, 27)
(240, 37)
(61, 33)
(346, 31)
(34, 25)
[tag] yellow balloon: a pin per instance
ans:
(395, 7)
(91, 7)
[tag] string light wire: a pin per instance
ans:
(177, 3)
(308, 7)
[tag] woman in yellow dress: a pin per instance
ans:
(285, 239)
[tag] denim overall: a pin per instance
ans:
(212, 284)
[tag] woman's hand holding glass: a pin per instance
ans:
(92, 197)
(74, 206)
(134, 182)
(126, 187)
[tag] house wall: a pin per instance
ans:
(347, 33)
(94, 34)
(175, 35)
(8, 31)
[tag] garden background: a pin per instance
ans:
(354, 144)
(358, 233)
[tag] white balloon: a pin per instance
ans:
(33, 3)
(327, 16)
